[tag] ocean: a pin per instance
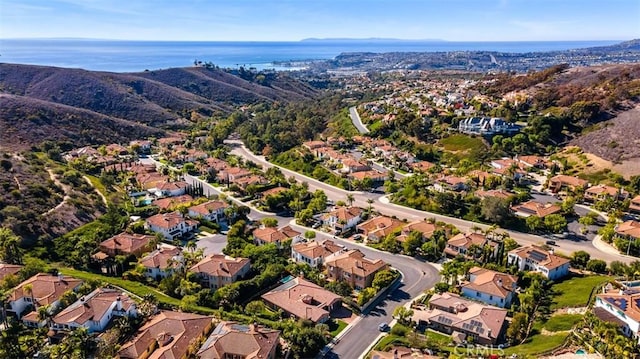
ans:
(135, 56)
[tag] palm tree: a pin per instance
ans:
(191, 246)
(44, 314)
(28, 290)
(370, 202)
(350, 199)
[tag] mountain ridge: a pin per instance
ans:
(145, 103)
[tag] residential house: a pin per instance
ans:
(462, 242)
(621, 307)
(217, 270)
(377, 228)
(629, 230)
(247, 181)
(273, 191)
(342, 219)
(9, 269)
(265, 235)
(350, 165)
(421, 166)
(535, 258)
(167, 335)
(564, 182)
(87, 152)
(450, 183)
(533, 208)
(170, 225)
(313, 145)
(167, 142)
(95, 311)
(169, 203)
(634, 206)
(142, 146)
(128, 244)
(352, 267)
(149, 181)
(170, 189)
(212, 211)
(507, 167)
(401, 353)
(39, 290)
(602, 192)
(315, 253)
(490, 287)
(425, 228)
(162, 262)
(533, 161)
(497, 193)
(487, 126)
(450, 313)
(214, 165)
(233, 340)
(300, 298)
(232, 174)
(375, 175)
(115, 149)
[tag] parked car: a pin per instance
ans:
(551, 243)
(383, 327)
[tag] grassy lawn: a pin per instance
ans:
(95, 182)
(336, 326)
(133, 287)
(391, 340)
(537, 344)
(562, 322)
(575, 291)
(442, 340)
(460, 142)
(374, 126)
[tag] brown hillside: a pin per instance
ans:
(616, 140)
(27, 121)
(65, 104)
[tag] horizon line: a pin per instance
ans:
(312, 39)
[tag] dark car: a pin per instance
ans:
(551, 243)
(383, 327)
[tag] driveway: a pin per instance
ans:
(212, 244)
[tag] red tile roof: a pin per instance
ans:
(170, 333)
(128, 243)
(302, 299)
(230, 339)
(46, 289)
(7, 269)
(207, 208)
(629, 228)
(354, 262)
(93, 306)
(219, 265)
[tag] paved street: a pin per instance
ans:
(355, 118)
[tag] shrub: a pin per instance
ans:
(597, 266)
(399, 330)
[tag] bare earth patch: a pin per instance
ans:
(617, 140)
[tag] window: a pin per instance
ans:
(478, 294)
(490, 297)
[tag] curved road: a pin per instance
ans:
(417, 276)
(361, 199)
(355, 118)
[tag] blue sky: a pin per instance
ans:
(271, 20)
